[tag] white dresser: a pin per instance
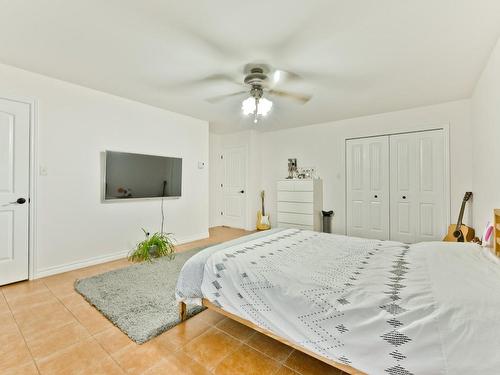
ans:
(300, 203)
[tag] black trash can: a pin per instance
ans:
(327, 221)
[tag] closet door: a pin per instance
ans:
(417, 186)
(368, 187)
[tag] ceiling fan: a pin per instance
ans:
(259, 81)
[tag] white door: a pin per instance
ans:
(234, 187)
(14, 190)
(367, 176)
(417, 169)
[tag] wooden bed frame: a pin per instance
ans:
(211, 306)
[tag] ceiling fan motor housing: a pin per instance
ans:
(256, 77)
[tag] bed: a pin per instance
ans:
(361, 305)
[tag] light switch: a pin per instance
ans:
(43, 170)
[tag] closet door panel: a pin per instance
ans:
(417, 186)
(403, 167)
(430, 182)
(368, 187)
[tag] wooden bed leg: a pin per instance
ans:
(182, 311)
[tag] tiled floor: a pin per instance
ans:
(47, 328)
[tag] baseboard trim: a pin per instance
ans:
(54, 270)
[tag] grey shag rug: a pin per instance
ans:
(139, 299)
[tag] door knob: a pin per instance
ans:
(242, 191)
(404, 197)
(19, 201)
(375, 196)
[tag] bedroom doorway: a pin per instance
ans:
(14, 190)
(233, 187)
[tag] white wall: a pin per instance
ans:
(321, 146)
(75, 125)
(486, 138)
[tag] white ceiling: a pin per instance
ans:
(358, 57)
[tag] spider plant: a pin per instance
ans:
(153, 246)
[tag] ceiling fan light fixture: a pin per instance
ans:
(248, 106)
(263, 106)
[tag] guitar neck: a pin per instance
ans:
(461, 215)
(263, 211)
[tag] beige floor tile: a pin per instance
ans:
(181, 334)
(307, 365)
(7, 322)
(72, 299)
(211, 347)
(23, 288)
(269, 346)
(178, 364)
(247, 361)
(211, 317)
(113, 340)
(286, 371)
(27, 368)
(14, 354)
(48, 317)
(235, 329)
(31, 301)
(137, 359)
(90, 318)
(105, 367)
(44, 344)
(4, 307)
(77, 358)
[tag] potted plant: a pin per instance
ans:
(153, 246)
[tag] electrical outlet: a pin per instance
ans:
(43, 170)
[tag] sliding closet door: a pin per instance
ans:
(417, 166)
(368, 187)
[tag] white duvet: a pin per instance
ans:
(381, 307)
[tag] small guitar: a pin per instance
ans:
(263, 219)
(459, 232)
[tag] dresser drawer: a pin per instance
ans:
(286, 185)
(295, 196)
(304, 185)
(297, 226)
(301, 219)
(295, 185)
(295, 207)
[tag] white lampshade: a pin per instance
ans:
(248, 106)
(264, 106)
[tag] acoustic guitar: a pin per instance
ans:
(263, 219)
(460, 232)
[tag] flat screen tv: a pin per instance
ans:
(129, 176)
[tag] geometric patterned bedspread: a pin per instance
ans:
(356, 301)
(381, 307)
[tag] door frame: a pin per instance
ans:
(445, 127)
(33, 163)
(221, 177)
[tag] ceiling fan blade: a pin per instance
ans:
(215, 99)
(209, 79)
(288, 75)
(303, 98)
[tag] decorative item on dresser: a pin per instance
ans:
(300, 203)
(460, 232)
